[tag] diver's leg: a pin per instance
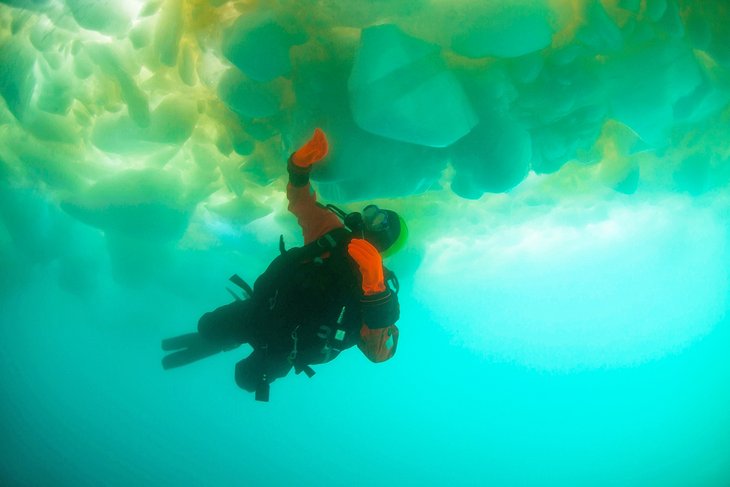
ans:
(222, 329)
(228, 325)
(261, 367)
(197, 350)
(181, 341)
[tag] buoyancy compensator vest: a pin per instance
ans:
(308, 302)
(308, 295)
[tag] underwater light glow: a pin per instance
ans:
(558, 294)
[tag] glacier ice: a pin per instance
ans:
(420, 99)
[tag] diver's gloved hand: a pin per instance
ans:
(312, 151)
(370, 263)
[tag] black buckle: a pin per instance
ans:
(326, 242)
(308, 371)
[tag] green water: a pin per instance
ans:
(563, 168)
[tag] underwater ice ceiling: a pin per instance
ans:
(500, 128)
(195, 101)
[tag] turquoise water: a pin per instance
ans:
(88, 405)
(563, 168)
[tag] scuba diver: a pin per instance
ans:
(313, 301)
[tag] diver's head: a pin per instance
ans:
(385, 229)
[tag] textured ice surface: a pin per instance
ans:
(168, 120)
(400, 89)
(167, 124)
(504, 29)
(258, 46)
(256, 78)
(558, 293)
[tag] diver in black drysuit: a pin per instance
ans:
(313, 301)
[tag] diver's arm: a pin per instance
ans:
(378, 333)
(378, 304)
(314, 219)
(300, 162)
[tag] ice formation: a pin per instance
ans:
(166, 123)
(493, 89)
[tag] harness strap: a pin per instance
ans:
(325, 243)
(299, 368)
(238, 281)
(295, 349)
(295, 360)
(306, 253)
(391, 279)
(312, 250)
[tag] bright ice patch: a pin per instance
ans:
(553, 293)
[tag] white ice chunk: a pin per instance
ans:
(105, 16)
(250, 98)
(111, 63)
(17, 80)
(259, 46)
(168, 32)
(655, 9)
(494, 157)
(172, 122)
(400, 89)
(505, 29)
(147, 204)
(600, 32)
(646, 83)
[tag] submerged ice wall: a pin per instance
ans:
(219, 93)
(136, 128)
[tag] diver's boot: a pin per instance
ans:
(180, 341)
